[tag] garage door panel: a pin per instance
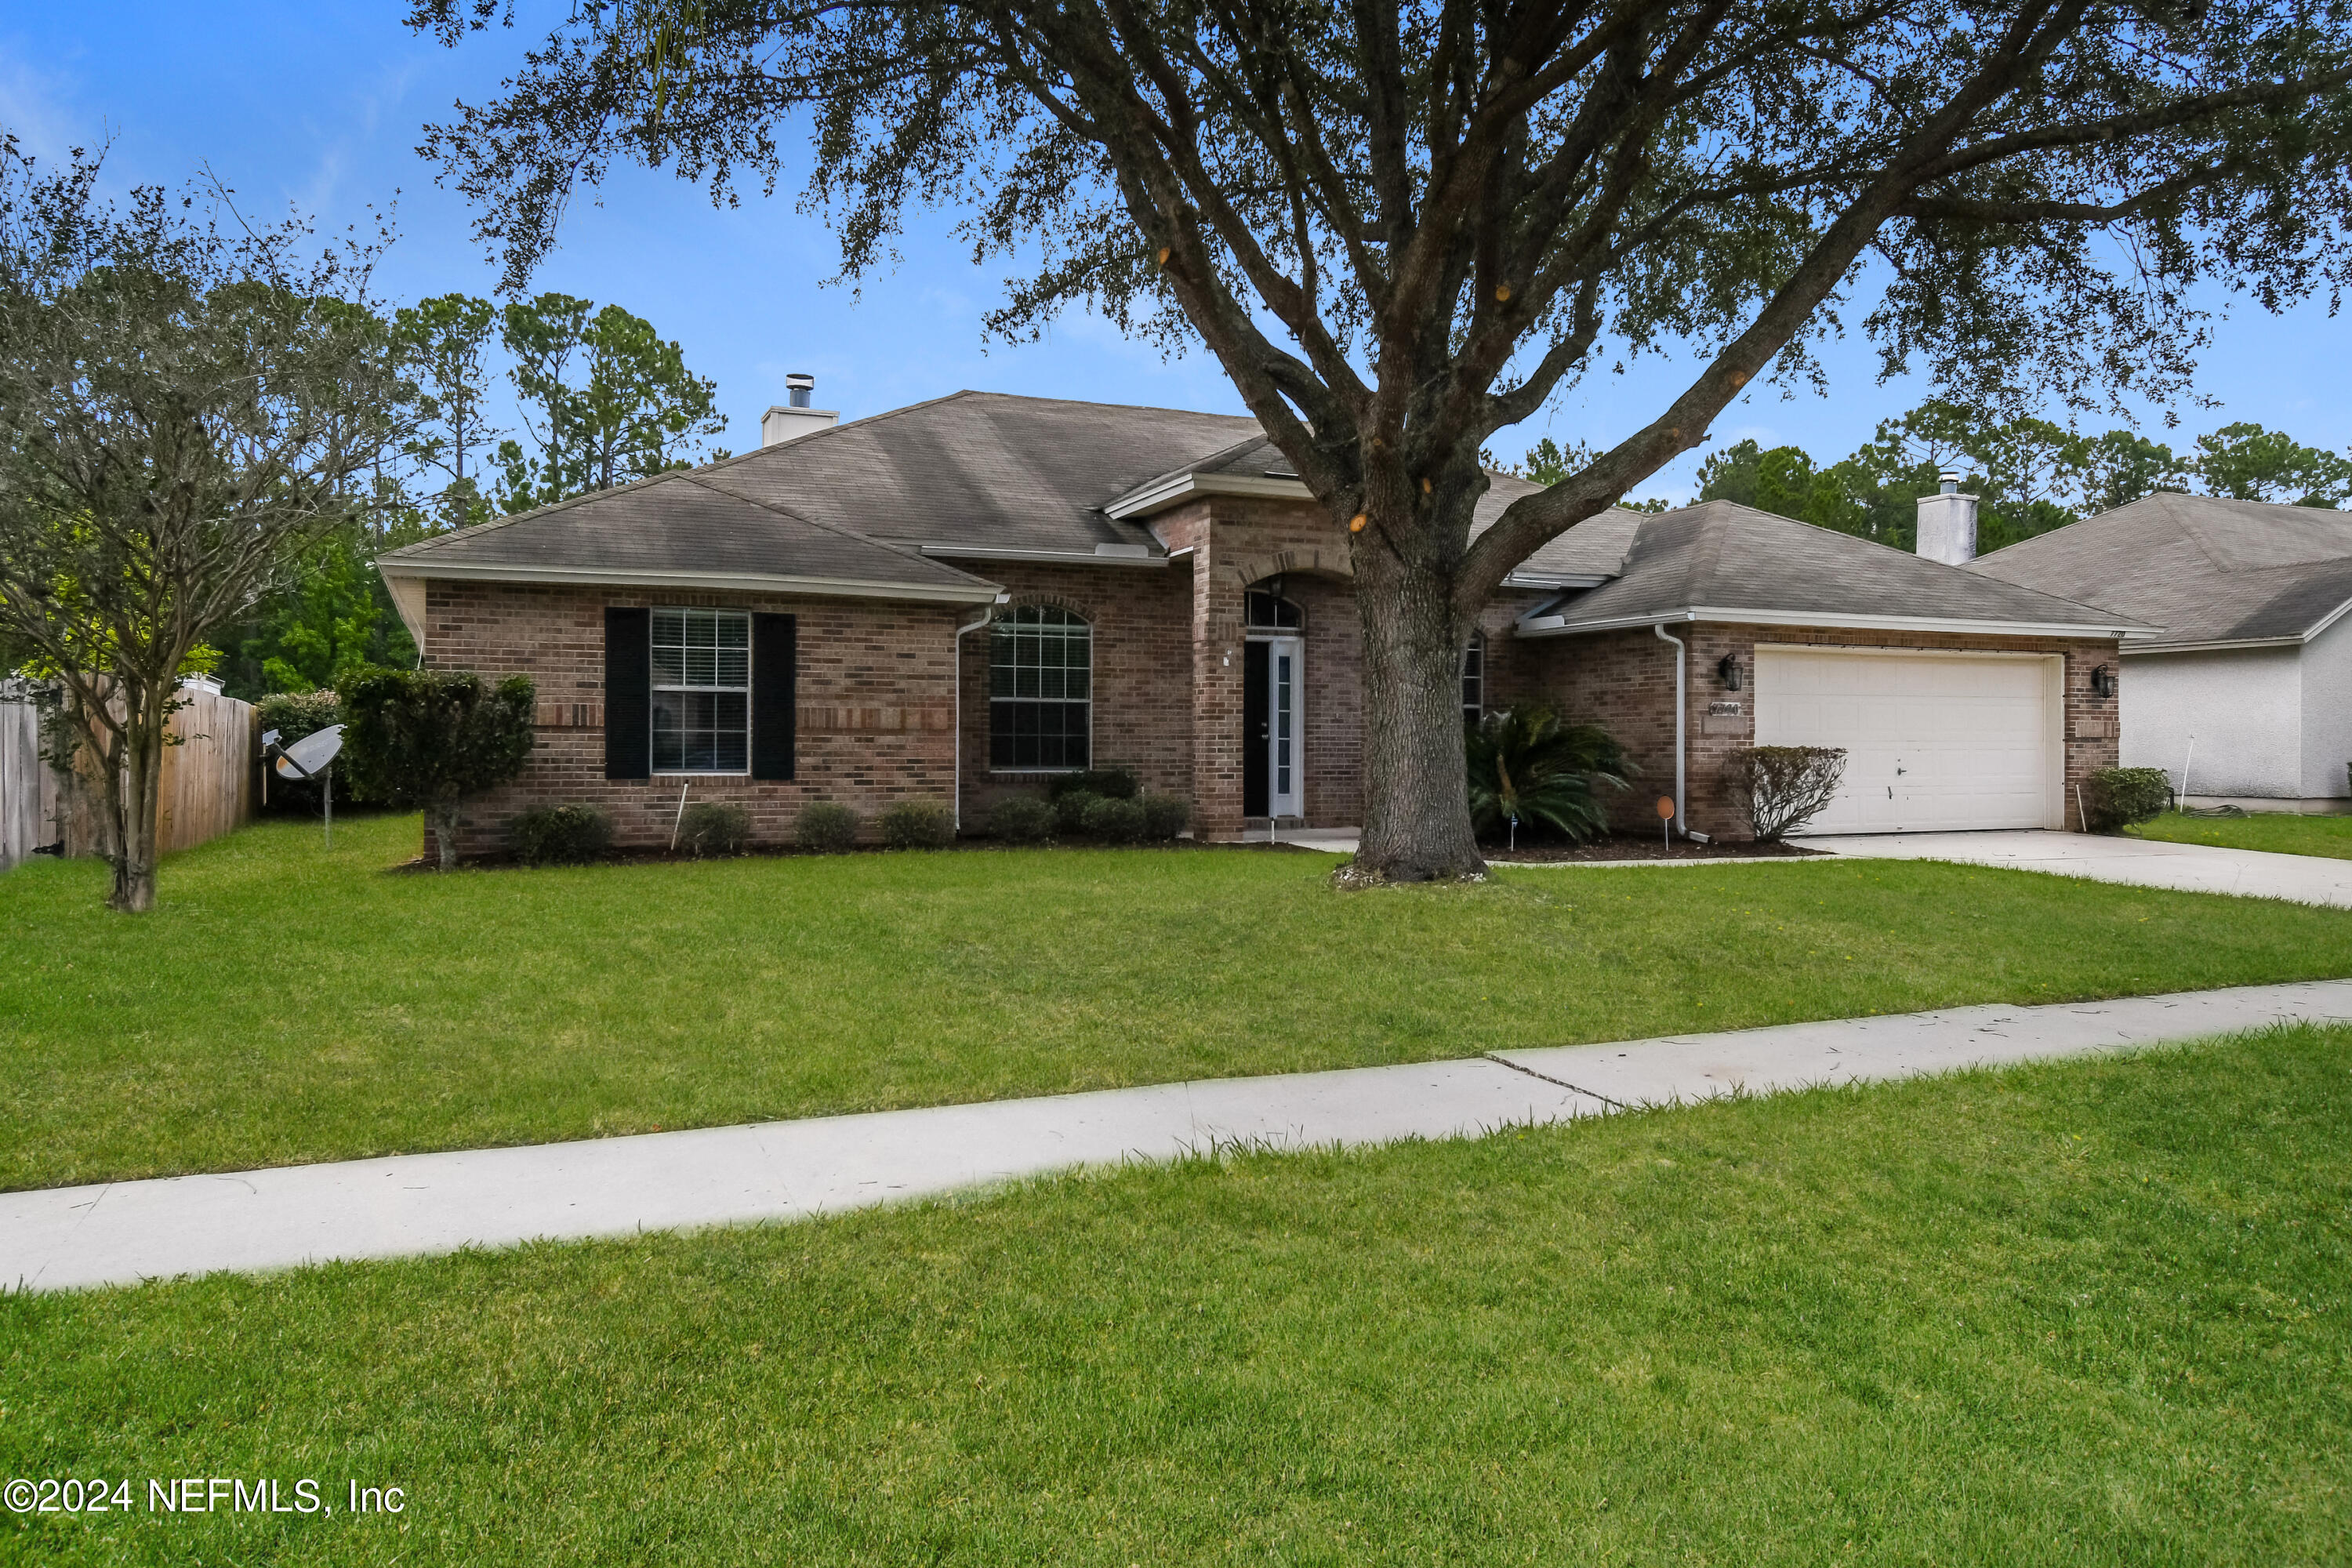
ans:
(1931, 743)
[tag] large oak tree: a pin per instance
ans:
(1401, 227)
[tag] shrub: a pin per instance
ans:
(918, 824)
(1020, 819)
(714, 828)
(1115, 783)
(827, 826)
(2115, 798)
(1780, 788)
(1116, 821)
(1070, 811)
(294, 714)
(427, 738)
(1526, 766)
(1164, 815)
(560, 835)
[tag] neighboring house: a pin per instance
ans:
(957, 599)
(2245, 696)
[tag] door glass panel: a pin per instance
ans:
(1282, 719)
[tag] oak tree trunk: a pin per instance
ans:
(135, 796)
(442, 817)
(1416, 803)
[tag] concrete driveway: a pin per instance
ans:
(2146, 863)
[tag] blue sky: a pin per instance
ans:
(319, 106)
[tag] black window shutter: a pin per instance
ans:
(775, 694)
(628, 693)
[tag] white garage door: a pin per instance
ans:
(1932, 742)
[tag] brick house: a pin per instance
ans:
(957, 599)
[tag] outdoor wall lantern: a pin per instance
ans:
(1730, 672)
(2102, 680)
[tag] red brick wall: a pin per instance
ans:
(876, 696)
(1624, 680)
(1142, 656)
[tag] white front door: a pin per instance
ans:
(1934, 743)
(1285, 771)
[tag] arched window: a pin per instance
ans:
(1473, 679)
(1040, 690)
(1264, 611)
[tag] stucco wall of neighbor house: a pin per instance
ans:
(1142, 655)
(874, 696)
(1625, 681)
(2243, 706)
(2327, 712)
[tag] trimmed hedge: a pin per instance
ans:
(1020, 819)
(560, 835)
(826, 826)
(1116, 821)
(1112, 783)
(2115, 798)
(1164, 815)
(714, 828)
(918, 824)
(1070, 809)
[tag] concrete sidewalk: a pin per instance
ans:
(2139, 862)
(64, 1238)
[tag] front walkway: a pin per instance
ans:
(62, 1238)
(2140, 862)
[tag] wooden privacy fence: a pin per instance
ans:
(208, 787)
(23, 776)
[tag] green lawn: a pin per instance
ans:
(2281, 832)
(2085, 1313)
(287, 1004)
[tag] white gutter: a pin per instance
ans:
(1680, 724)
(1100, 555)
(1560, 625)
(986, 617)
(978, 592)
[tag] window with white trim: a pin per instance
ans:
(701, 691)
(1040, 690)
(1474, 679)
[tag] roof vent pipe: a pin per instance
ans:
(1948, 523)
(790, 420)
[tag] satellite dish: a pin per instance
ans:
(313, 751)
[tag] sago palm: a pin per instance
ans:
(1524, 765)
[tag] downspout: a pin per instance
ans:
(1681, 725)
(986, 616)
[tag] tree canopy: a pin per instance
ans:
(2032, 475)
(1401, 228)
(187, 404)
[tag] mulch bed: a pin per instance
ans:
(1640, 847)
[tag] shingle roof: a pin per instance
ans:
(1718, 556)
(985, 470)
(1593, 548)
(2205, 569)
(680, 526)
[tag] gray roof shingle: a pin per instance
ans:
(2205, 569)
(986, 469)
(1721, 556)
(680, 525)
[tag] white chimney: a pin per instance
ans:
(1948, 524)
(792, 420)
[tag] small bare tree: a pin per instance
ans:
(1780, 788)
(185, 404)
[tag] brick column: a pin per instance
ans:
(1216, 690)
